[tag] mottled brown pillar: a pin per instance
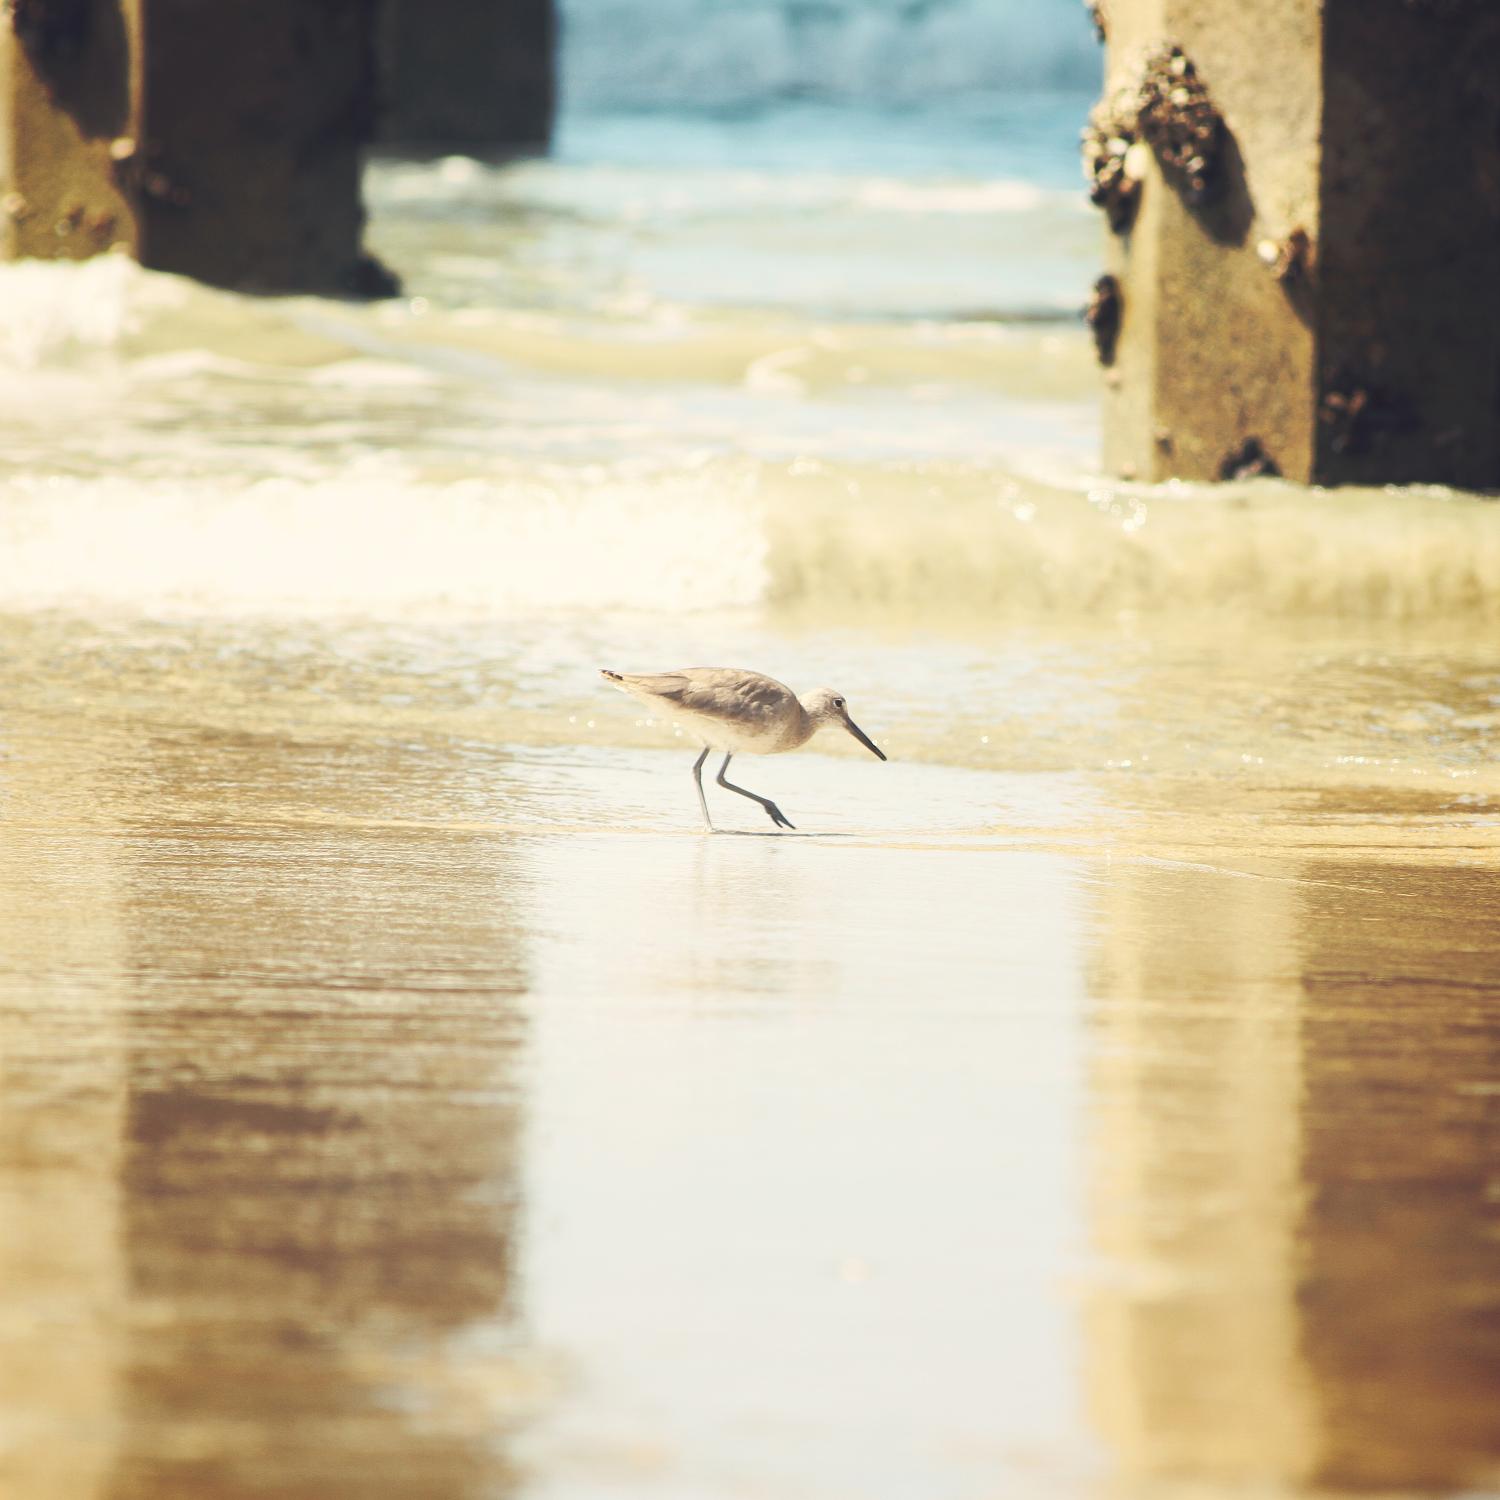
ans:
(1304, 208)
(472, 76)
(218, 138)
(256, 115)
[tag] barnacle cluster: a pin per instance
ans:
(1175, 114)
(1168, 112)
(1249, 461)
(1359, 416)
(1103, 313)
(1288, 260)
(1114, 161)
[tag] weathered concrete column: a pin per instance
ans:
(1304, 259)
(473, 76)
(257, 112)
(218, 138)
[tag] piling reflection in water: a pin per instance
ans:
(1294, 1184)
(1193, 1361)
(62, 1107)
(1400, 1165)
(280, 1203)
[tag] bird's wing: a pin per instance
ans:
(716, 691)
(668, 685)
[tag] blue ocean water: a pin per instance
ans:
(905, 88)
(683, 54)
(1026, 135)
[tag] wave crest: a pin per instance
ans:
(918, 541)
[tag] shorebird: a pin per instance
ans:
(724, 708)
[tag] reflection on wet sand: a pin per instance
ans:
(291, 1227)
(300, 1020)
(1196, 1080)
(1294, 1189)
(1400, 1228)
(62, 1107)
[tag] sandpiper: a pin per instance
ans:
(728, 709)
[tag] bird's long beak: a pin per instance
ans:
(863, 738)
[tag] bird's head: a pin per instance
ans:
(824, 706)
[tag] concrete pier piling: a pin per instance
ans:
(257, 113)
(1303, 210)
(217, 138)
(223, 139)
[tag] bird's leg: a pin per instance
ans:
(778, 817)
(698, 782)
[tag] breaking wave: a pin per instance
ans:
(918, 541)
(986, 545)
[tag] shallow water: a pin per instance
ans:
(401, 1096)
(401, 1108)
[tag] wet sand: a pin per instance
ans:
(397, 1111)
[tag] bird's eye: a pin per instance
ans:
(838, 702)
